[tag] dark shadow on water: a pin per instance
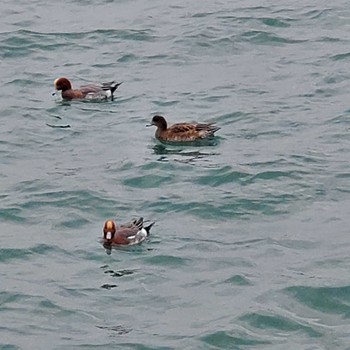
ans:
(119, 273)
(60, 126)
(119, 329)
(208, 142)
(108, 286)
(187, 155)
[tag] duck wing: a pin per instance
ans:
(182, 128)
(134, 224)
(91, 89)
(191, 131)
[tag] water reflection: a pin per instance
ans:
(186, 155)
(119, 273)
(62, 126)
(119, 329)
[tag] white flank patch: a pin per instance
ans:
(143, 232)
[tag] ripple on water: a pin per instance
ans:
(8, 346)
(266, 38)
(147, 181)
(7, 254)
(238, 280)
(329, 300)
(80, 199)
(231, 340)
(168, 260)
(278, 324)
(230, 207)
(224, 175)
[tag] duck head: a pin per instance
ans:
(109, 230)
(159, 122)
(62, 84)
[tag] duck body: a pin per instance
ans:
(182, 132)
(131, 233)
(99, 92)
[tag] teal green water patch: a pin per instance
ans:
(238, 280)
(229, 208)
(7, 298)
(341, 56)
(273, 175)
(73, 221)
(275, 22)
(203, 210)
(30, 303)
(331, 300)
(31, 186)
(147, 181)
(155, 165)
(167, 260)
(23, 43)
(233, 117)
(82, 200)
(278, 323)
(265, 38)
(7, 254)
(226, 340)
(9, 347)
(127, 58)
(13, 215)
(137, 346)
(224, 175)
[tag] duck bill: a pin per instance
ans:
(108, 236)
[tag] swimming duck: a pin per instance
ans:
(182, 132)
(102, 91)
(131, 233)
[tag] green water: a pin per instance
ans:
(251, 244)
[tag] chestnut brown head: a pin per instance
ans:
(109, 230)
(62, 84)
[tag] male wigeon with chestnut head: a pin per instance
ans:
(127, 234)
(98, 92)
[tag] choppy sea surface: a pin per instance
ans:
(251, 247)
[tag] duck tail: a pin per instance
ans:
(111, 86)
(114, 87)
(148, 228)
(213, 129)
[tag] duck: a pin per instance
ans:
(130, 233)
(103, 91)
(182, 132)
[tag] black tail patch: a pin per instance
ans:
(148, 228)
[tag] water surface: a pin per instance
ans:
(251, 245)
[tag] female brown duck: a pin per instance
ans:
(182, 132)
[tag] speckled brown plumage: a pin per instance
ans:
(182, 132)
